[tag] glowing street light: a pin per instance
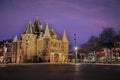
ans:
(76, 49)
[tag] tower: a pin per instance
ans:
(16, 48)
(29, 42)
(46, 44)
(65, 45)
(38, 27)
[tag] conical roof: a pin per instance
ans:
(37, 21)
(29, 29)
(15, 39)
(47, 32)
(38, 26)
(64, 39)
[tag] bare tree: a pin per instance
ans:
(106, 37)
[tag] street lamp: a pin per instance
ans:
(76, 48)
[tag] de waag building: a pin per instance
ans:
(37, 44)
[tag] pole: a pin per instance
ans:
(76, 57)
(75, 46)
(75, 38)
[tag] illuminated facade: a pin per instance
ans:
(44, 44)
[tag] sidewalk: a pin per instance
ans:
(101, 64)
(23, 64)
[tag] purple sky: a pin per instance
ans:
(83, 17)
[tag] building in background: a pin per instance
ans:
(5, 51)
(37, 44)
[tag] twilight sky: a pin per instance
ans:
(83, 17)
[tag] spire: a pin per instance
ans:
(15, 39)
(37, 21)
(29, 29)
(37, 26)
(47, 32)
(64, 39)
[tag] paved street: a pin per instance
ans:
(59, 72)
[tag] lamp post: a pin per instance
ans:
(75, 45)
(76, 48)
